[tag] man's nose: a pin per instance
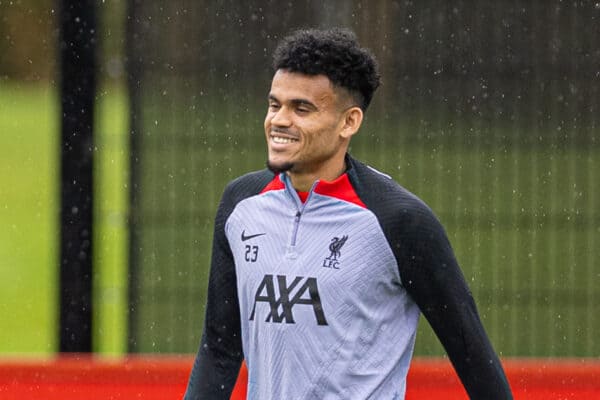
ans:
(281, 117)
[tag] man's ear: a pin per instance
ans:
(352, 120)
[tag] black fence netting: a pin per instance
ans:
(488, 111)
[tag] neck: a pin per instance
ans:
(303, 181)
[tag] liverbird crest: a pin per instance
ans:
(335, 246)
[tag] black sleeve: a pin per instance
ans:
(430, 274)
(219, 358)
(432, 277)
(220, 355)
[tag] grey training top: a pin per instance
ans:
(322, 297)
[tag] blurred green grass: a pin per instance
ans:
(525, 227)
(524, 222)
(29, 219)
(111, 177)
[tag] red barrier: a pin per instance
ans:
(82, 377)
(531, 379)
(154, 377)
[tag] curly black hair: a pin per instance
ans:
(334, 53)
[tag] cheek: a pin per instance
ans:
(325, 138)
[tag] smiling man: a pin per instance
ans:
(322, 265)
(309, 124)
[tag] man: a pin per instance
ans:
(322, 265)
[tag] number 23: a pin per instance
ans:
(251, 253)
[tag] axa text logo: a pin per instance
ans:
(300, 292)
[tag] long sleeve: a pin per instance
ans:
(219, 358)
(433, 278)
(430, 274)
(220, 354)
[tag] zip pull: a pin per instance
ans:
(295, 228)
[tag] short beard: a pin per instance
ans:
(279, 168)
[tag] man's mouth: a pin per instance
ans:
(282, 139)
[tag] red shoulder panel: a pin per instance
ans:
(341, 188)
(275, 184)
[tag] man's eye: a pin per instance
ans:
(274, 106)
(302, 110)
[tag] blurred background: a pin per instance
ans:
(489, 111)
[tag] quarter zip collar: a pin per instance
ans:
(340, 188)
(291, 191)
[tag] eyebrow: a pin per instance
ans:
(296, 102)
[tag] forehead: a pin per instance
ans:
(288, 85)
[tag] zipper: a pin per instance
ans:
(296, 226)
(299, 208)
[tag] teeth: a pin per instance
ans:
(282, 140)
